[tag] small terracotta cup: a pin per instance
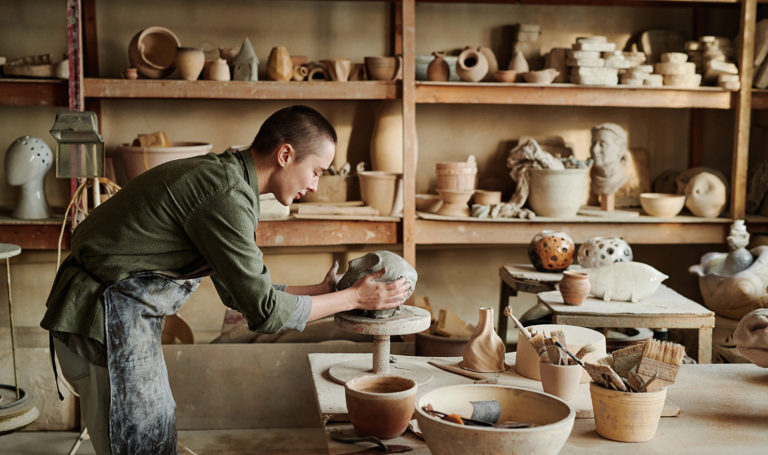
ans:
(130, 73)
(560, 380)
(380, 405)
(574, 287)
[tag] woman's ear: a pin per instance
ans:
(285, 154)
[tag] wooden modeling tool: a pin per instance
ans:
(660, 359)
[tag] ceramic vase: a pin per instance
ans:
(519, 64)
(472, 66)
(342, 120)
(574, 287)
(279, 65)
(705, 195)
(438, 69)
(387, 138)
(493, 64)
(551, 251)
(484, 352)
(190, 61)
(218, 70)
(600, 251)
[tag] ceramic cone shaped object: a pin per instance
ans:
(484, 352)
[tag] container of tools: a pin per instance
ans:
(626, 416)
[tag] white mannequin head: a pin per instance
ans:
(27, 161)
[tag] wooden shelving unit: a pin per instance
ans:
(33, 92)
(33, 234)
(326, 233)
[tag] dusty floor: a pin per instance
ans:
(273, 441)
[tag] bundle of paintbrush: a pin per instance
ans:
(646, 367)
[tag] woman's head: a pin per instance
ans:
(302, 127)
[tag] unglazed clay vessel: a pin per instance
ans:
(218, 70)
(505, 75)
(560, 380)
(338, 69)
(384, 68)
(705, 195)
(600, 251)
(438, 69)
(380, 406)
(279, 65)
(153, 51)
(557, 192)
(624, 281)
(551, 251)
(454, 202)
(519, 64)
(624, 416)
(472, 65)
(484, 351)
(545, 76)
(493, 64)
(574, 287)
(190, 61)
(27, 161)
(387, 138)
(395, 268)
(662, 205)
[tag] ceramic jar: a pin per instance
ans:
(279, 64)
(218, 70)
(600, 251)
(574, 287)
(551, 251)
(472, 66)
(705, 195)
(190, 61)
(438, 69)
(387, 138)
(485, 350)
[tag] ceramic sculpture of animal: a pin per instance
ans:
(624, 281)
(395, 268)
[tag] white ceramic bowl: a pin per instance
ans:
(553, 420)
(662, 205)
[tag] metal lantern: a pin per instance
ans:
(80, 151)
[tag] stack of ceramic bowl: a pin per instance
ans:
(456, 182)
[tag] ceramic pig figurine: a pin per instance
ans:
(396, 268)
(624, 281)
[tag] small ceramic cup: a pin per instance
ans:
(560, 380)
(380, 405)
(130, 73)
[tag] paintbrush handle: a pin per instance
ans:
(569, 353)
(520, 326)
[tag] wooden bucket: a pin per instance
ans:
(457, 175)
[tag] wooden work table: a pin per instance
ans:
(724, 410)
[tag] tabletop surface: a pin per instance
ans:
(724, 410)
(9, 250)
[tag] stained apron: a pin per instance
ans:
(142, 414)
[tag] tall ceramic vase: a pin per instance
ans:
(387, 139)
(484, 351)
(190, 61)
(342, 120)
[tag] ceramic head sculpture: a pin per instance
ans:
(609, 152)
(245, 64)
(27, 161)
(395, 268)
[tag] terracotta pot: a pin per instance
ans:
(218, 70)
(486, 197)
(438, 69)
(705, 195)
(153, 51)
(338, 69)
(505, 75)
(136, 160)
(454, 202)
(557, 193)
(574, 287)
(600, 251)
(560, 380)
(387, 138)
(662, 205)
(551, 251)
(377, 190)
(624, 416)
(472, 65)
(279, 65)
(485, 350)
(380, 406)
(527, 361)
(456, 175)
(190, 61)
(384, 68)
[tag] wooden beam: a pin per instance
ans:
(410, 140)
(27, 92)
(325, 232)
(743, 111)
(34, 236)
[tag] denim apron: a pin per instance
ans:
(142, 414)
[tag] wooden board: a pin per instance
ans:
(294, 232)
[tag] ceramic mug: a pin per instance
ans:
(130, 73)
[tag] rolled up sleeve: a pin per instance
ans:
(222, 228)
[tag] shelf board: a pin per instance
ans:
(292, 232)
(33, 234)
(690, 230)
(239, 90)
(572, 95)
(759, 98)
(33, 92)
(598, 2)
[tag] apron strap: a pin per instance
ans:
(53, 363)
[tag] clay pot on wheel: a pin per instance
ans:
(574, 287)
(472, 66)
(551, 251)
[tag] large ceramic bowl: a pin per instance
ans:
(136, 160)
(662, 205)
(552, 417)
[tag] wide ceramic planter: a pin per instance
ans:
(625, 416)
(557, 193)
(136, 160)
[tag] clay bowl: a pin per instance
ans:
(153, 51)
(527, 361)
(552, 417)
(505, 75)
(134, 157)
(381, 68)
(540, 77)
(428, 202)
(380, 406)
(662, 205)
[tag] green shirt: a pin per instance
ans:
(177, 218)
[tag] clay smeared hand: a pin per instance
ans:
(374, 295)
(332, 277)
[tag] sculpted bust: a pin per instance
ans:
(609, 152)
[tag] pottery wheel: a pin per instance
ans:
(409, 320)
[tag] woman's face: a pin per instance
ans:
(300, 176)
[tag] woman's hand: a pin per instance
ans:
(373, 295)
(332, 278)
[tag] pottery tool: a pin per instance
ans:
(462, 371)
(626, 359)
(553, 352)
(455, 418)
(570, 354)
(605, 376)
(660, 359)
(539, 346)
(537, 341)
(581, 353)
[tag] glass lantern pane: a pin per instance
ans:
(80, 160)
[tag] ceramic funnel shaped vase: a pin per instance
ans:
(574, 287)
(190, 61)
(395, 268)
(472, 66)
(484, 351)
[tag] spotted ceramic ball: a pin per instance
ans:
(551, 251)
(600, 251)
